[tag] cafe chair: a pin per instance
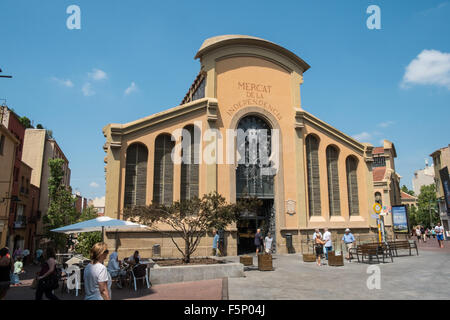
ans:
(139, 272)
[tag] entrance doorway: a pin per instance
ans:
(250, 222)
(254, 179)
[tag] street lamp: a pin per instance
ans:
(1, 76)
(12, 198)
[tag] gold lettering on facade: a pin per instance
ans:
(254, 96)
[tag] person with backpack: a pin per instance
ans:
(6, 269)
(48, 277)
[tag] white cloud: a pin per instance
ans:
(94, 184)
(87, 90)
(434, 9)
(132, 88)
(63, 82)
(430, 67)
(363, 137)
(386, 124)
(97, 75)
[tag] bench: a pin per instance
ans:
(371, 251)
(404, 244)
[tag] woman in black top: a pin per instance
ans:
(319, 247)
(6, 268)
(47, 277)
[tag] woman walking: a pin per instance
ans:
(97, 280)
(47, 277)
(319, 247)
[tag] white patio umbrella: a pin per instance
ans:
(99, 224)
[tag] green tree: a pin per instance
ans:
(406, 190)
(86, 240)
(61, 210)
(412, 214)
(191, 219)
(39, 126)
(25, 122)
(427, 214)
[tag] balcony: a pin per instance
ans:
(20, 223)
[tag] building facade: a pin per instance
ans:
(317, 176)
(19, 218)
(408, 200)
(386, 181)
(39, 147)
(441, 160)
(423, 177)
(8, 147)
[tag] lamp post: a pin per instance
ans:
(2, 76)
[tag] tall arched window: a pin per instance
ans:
(334, 198)
(352, 185)
(136, 175)
(190, 163)
(312, 160)
(163, 170)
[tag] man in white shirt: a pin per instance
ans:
(439, 234)
(328, 244)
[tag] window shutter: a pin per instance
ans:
(136, 175)
(163, 170)
(312, 159)
(190, 171)
(333, 181)
(352, 186)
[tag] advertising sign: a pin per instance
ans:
(446, 186)
(400, 219)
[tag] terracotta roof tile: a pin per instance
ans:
(378, 173)
(378, 150)
(405, 195)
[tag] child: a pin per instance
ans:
(18, 268)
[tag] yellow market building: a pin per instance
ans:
(323, 177)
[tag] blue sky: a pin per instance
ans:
(74, 81)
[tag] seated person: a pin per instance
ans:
(114, 268)
(132, 259)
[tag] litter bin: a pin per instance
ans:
(156, 250)
(289, 245)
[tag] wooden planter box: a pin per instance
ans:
(309, 257)
(265, 262)
(246, 260)
(335, 261)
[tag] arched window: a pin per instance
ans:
(378, 198)
(163, 170)
(190, 163)
(136, 175)
(352, 186)
(312, 160)
(333, 181)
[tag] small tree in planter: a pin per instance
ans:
(191, 219)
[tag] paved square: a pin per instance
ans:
(426, 276)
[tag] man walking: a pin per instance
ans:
(215, 243)
(439, 234)
(348, 240)
(258, 240)
(328, 244)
